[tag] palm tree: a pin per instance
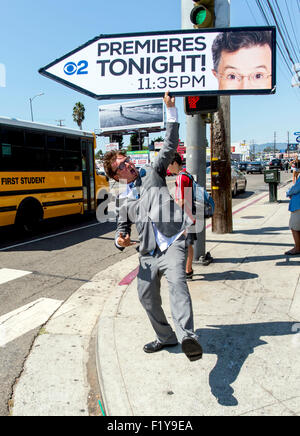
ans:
(78, 114)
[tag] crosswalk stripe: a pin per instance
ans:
(8, 274)
(25, 318)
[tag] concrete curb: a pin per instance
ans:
(106, 349)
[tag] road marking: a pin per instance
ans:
(48, 237)
(26, 318)
(130, 277)
(8, 274)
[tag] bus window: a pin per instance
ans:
(36, 140)
(55, 160)
(83, 160)
(55, 142)
(72, 161)
(72, 144)
(12, 136)
(10, 139)
(28, 159)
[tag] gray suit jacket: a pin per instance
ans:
(150, 202)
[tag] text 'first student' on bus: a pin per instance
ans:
(46, 171)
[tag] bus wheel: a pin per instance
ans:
(29, 216)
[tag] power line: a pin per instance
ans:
(284, 43)
(280, 32)
(293, 29)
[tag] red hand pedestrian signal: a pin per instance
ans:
(201, 104)
(193, 102)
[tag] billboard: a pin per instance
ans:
(132, 115)
(292, 147)
(230, 61)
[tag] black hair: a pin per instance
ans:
(233, 41)
(109, 158)
(177, 158)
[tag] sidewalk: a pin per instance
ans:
(246, 306)
(247, 315)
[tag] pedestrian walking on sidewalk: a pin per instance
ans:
(184, 198)
(296, 169)
(286, 166)
(294, 207)
(160, 224)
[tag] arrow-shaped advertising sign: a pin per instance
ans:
(185, 62)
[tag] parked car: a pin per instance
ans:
(238, 180)
(243, 166)
(254, 167)
(275, 163)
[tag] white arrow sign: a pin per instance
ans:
(183, 62)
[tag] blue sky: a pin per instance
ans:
(34, 33)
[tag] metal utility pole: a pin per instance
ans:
(195, 143)
(60, 123)
(221, 146)
(31, 100)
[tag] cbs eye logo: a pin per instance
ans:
(71, 68)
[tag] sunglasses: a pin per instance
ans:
(122, 165)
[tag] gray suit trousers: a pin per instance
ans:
(170, 263)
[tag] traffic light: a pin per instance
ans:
(203, 14)
(201, 104)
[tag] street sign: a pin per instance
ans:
(184, 62)
(298, 136)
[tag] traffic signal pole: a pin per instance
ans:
(195, 142)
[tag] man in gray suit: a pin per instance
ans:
(161, 226)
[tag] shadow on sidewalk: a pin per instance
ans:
(225, 275)
(262, 230)
(232, 344)
(251, 259)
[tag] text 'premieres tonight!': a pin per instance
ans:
(123, 66)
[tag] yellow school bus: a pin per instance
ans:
(46, 171)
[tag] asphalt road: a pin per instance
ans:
(44, 270)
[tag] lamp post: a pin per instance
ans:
(30, 100)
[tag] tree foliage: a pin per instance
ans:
(79, 114)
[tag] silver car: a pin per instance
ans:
(254, 167)
(238, 180)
